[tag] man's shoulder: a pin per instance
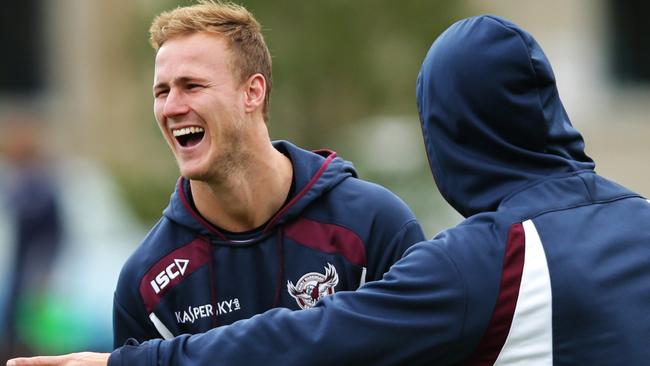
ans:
(159, 241)
(482, 228)
(367, 207)
(373, 194)
(372, 199)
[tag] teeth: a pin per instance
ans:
(187, 131)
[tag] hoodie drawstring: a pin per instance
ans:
(280, 280)
(213, 292)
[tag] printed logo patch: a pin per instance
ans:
(313, 286)
(194, 313)
(170, 272)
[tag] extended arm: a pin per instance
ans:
(413, 316)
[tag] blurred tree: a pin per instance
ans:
(337, 62)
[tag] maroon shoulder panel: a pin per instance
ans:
(328, 238)
(171, 269)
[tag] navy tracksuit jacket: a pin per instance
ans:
(334, 233)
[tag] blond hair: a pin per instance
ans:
(250, 55)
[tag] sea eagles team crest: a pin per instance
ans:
(313, 286)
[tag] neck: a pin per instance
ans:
(249, 196)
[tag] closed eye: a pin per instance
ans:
(160, 93)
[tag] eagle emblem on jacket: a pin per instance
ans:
(313, 286)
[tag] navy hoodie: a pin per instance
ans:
(551, 266)
(334, 233)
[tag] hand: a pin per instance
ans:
(72, 359)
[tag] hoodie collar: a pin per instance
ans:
(491, 116)
(315, 173)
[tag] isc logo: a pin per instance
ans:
(172, 271)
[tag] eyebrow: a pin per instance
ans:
(181, 80)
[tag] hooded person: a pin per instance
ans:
(551, 266)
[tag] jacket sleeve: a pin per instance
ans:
(126, 326)
(381, 258)
(130, 318)
(413, 316)
(394, 230)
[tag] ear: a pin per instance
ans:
(255, 92)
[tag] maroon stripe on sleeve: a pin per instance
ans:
(328, 238)
(497, 331)
(171, 269)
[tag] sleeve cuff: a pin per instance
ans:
(134, 353)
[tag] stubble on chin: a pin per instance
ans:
(230, 163)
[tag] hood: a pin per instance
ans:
(315, 173)
(491, 116)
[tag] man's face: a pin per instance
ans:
(198, 104)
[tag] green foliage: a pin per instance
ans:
(336, 62)
(53, 324)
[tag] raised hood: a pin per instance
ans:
(491, 116)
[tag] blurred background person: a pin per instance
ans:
(31, 200)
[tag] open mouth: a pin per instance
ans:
(188, 136)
